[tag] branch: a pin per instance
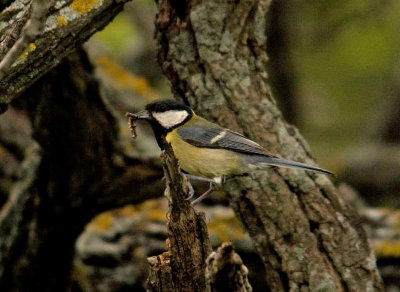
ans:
(31, 30)
(182, 267)
(141, 177)
(67, 26)
(13, 221)
(226, 272)
(15, 132)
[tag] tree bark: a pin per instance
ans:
(71, 177)
(225, 271)
(182, 267)
(214, 53)
(68, 25)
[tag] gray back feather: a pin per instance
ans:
(203, 137)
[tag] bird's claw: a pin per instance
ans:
(203, 196)
(191, 191)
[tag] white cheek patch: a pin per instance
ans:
(170, 118)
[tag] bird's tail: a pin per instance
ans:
(257, 160)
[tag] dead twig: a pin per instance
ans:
(132, 118)
(182, 267)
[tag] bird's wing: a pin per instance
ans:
(210, 135)
(216, 137)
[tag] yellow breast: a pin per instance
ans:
(205, 162)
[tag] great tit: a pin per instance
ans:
(206, 150)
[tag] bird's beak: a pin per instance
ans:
(143, 115)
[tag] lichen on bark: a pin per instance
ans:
(79, 21)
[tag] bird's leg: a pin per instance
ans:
(217, 180)
(198, 178)
(191, 190)
(204, 195)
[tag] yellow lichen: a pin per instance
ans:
(83, 6)
(226, 228)
(30, 48)
(151, 208)
(156, 215)
(387, 248)
(61, 21)
(102, 221)
(128, 210)
(396, 214)
(124, 79)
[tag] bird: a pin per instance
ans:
(205, 150)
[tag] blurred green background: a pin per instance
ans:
(345, 55)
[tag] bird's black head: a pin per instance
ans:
(165, 115)
(165, 105)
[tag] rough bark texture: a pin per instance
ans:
(225, 271)
(68, 24)
(72, 176)
(214, 53)
(182, 267)
(31, 30)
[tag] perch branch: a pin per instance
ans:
(182, 267)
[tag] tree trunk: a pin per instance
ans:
(214, 53)
(64, 108)
(70, 178)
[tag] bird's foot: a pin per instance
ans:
(198, 178)
(203, 196)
